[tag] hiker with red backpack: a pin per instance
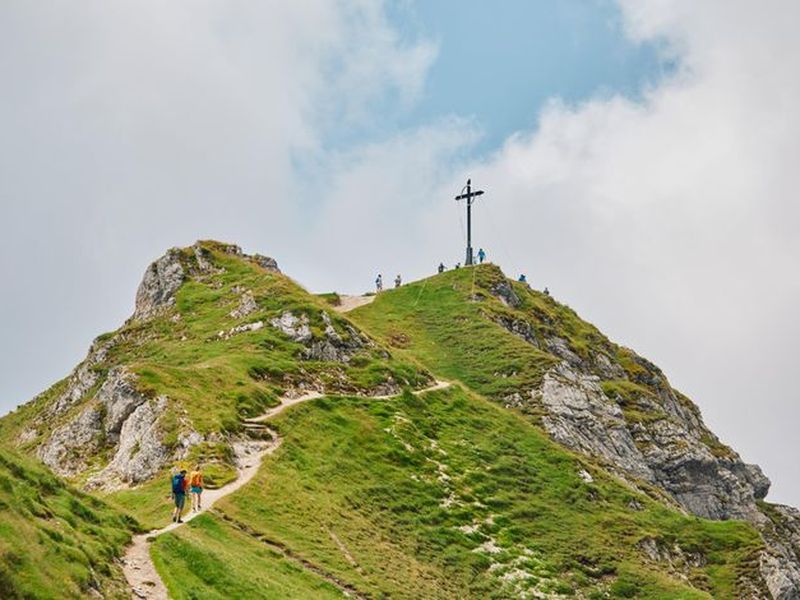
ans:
(179, 485)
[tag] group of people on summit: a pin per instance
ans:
(398, 281)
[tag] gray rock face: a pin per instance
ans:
(82, 379)
(519, 327)
(247, 306)
(294, 327)
(99, 424)
(140, 453)
(160, 283)
(650, 432)
(267, 263)
(331, 347)
(780, 563)
(666, 447)
(581, 417)
(506, 294)
(122, 420)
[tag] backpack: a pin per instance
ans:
(177, 484)
(196, 480)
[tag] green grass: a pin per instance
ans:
(55, 542)
(212, 383)
(445, 495)
(209, 559)
(434, 322)
(394, 481)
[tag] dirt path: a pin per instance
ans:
(137, 564)
(348, 303)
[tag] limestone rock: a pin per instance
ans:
(506, 294)
(160, 283)
(780, 563)
(295, 327)
(83, 377)
(333, 347)
(225, 335)
(266, 262)
(247, 306)
(581, 417)
(141, 453)
(98, 425)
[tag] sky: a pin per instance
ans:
(639, 158)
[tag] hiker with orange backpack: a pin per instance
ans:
(196, 488)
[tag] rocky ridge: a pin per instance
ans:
(103, 411)
(619, 408)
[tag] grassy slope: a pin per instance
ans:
(391, 482)
(210, 559)
(212, 383)
(55, 542)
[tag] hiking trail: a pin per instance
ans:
(138, 566)
(348, 303)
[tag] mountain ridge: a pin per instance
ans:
(218, 336)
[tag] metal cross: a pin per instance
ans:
(469, 196)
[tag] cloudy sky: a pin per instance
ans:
(641, 158)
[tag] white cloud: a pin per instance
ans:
(671, 221)
(130, 127)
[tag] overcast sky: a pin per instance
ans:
(641, 158)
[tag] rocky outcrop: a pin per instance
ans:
(83, 378)
(266, 263)
(654, 438)
(70, 447)
(141, 452)
(164, 277)
(332, 346)
(780, 563)
(638, 426)
(247, 306)
(122, 421)
(161, 281)
(503, 291)
(226, 335)
(294, 327)
(581, 417)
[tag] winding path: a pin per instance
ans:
(348, 303)
(137, 565)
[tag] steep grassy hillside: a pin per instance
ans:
(55, 542)
(447, 495)
(224, 344)
(554, 466)
(462, 326)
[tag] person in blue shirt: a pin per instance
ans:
(481, 255)
(522, 278)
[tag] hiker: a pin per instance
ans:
(546, 292)
(398, 281)
(196, 488)
(441, 268)
(522, 278)
(458, 265)
(179, 485)
(481, 255)
(379, 283)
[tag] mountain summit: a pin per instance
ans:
(555, 464)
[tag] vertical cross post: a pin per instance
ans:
(469, 197)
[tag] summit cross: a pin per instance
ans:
(469, 196)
